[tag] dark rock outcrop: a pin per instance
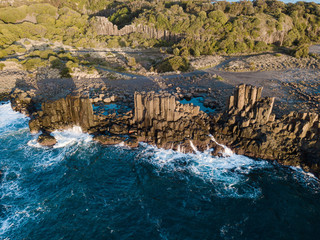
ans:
(64, 113)
(158, 119)
(248, 125)
(250, 128)
(22, 102)
(162, 120)
(45, 139)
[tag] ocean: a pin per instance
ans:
(82, 190)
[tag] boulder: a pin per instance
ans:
(47, 140)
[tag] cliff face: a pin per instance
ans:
(247, 126)
(274, 34)
(64, 113)
(162, 120)
(250, 128)
(158, 119)
(104, 27)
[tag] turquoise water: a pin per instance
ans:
(198, 101)
(81, 190)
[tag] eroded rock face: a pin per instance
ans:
(162, 120)
(250, 128)
(158, 119)
(104, 27)
(64, 113)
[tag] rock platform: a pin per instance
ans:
(247, 125)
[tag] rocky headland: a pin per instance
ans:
(247, 124)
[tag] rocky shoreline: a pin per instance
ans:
(247, 126)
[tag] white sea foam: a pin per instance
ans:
(16, 219)
(68, 142)
(9, 118)
(228, 175)
(194, 148)
(10, 190)
(69, 137)
(227, 151)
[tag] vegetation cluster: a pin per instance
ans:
(203, 27)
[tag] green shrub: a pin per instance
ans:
(46, 19)
(46, 54)
(3, 53)
(220, 78)
(196, 52)
(12, 15)
(66, 56)
(301, 51)
(56, 62)
(173, 64)
(218, 16)
(131, 61)
(260, 46)
(2, 65)
(65, 72)
(113, 43)
(33, 63)
(176, 51)
(42, 8)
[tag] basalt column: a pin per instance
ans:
(163, 120)
(64, 113)
(249, 127)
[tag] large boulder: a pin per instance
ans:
(47, 140)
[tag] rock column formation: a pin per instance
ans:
(249, 127)
(64, 113)
(161, 119)
(104, 27)
(248, 104)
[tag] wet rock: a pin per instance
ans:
(45, 139)
(109, 140)
(132, 142)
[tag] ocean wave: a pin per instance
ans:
(305, 179)
(12, 215)
(69, 141)
(11, 120)
(72, 136)
(65, 138)
(228, 175)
